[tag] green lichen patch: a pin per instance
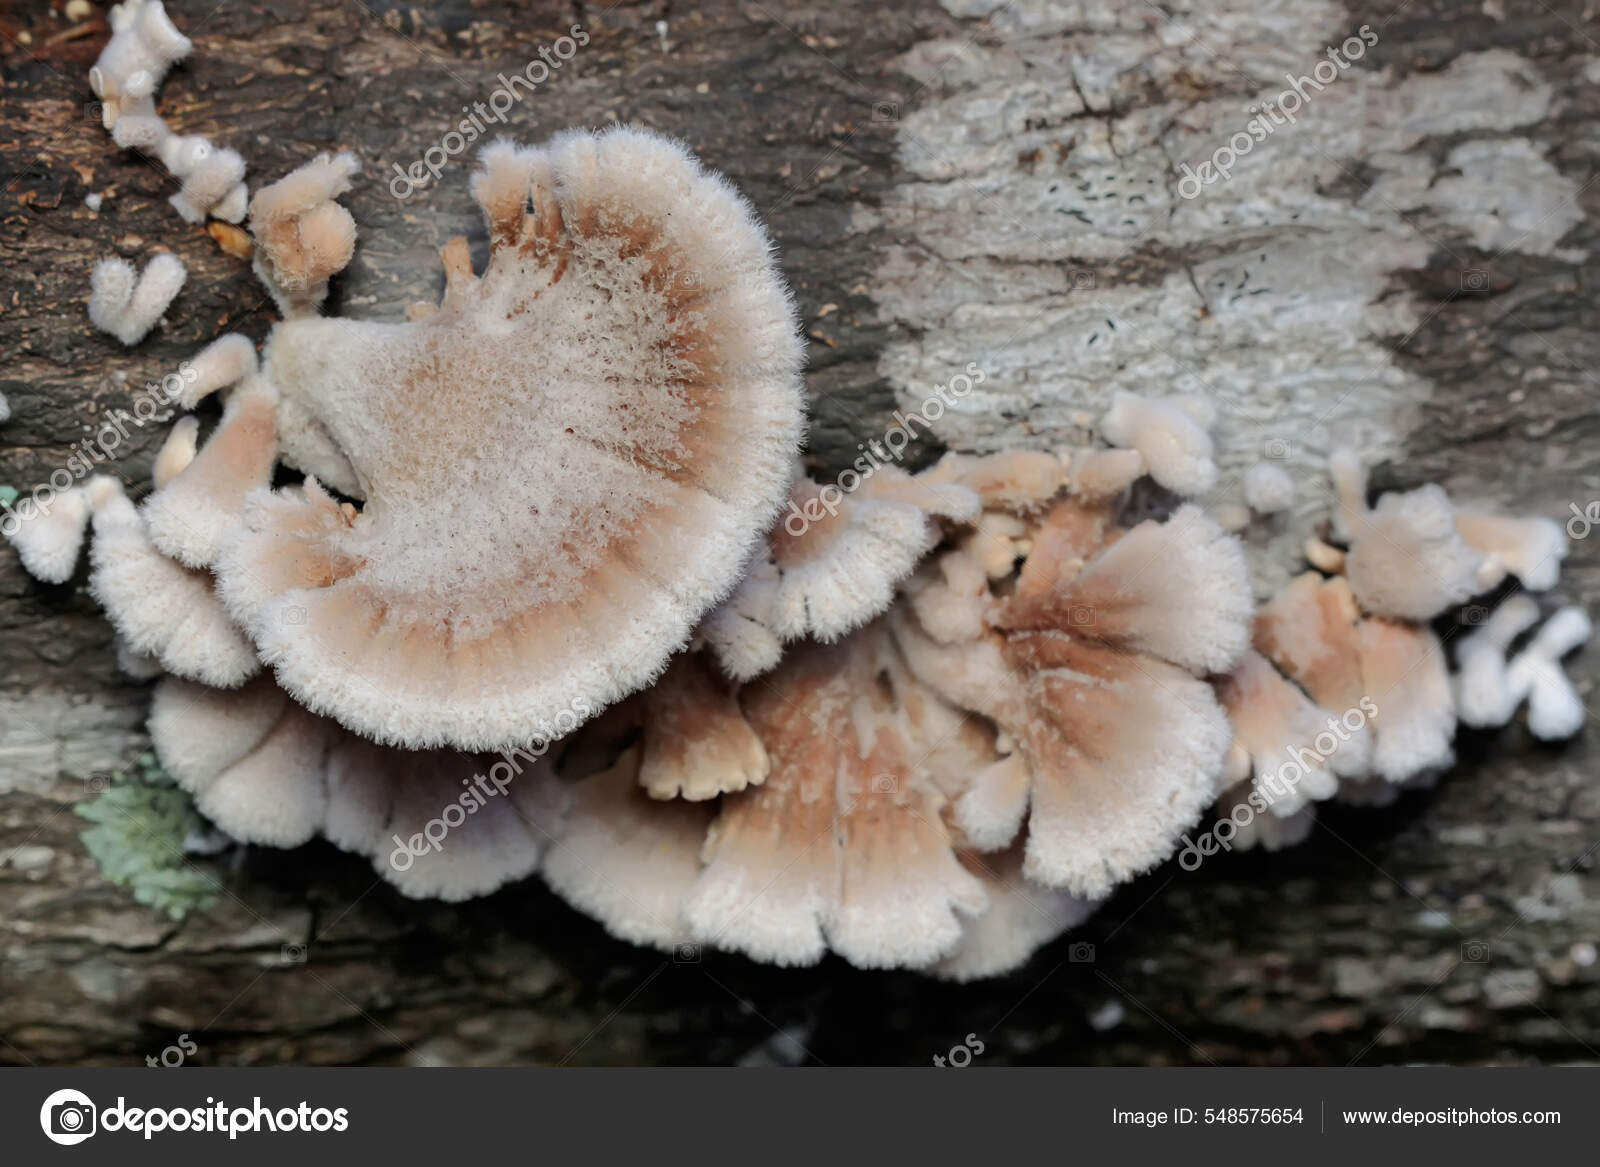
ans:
(140, 823)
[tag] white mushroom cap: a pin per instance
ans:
(1268, 489)
(189, 517)
(1176, 448)
(627, 860)
(1407, 560)
(212, 176)
(49, 542)
(161, 608)
(267, 771)
(1484, 696)
(621, 536)
(1403, 671)
(1555, 711)
(128, 306)
(1530, 549)
(138, 127)
(842, 571)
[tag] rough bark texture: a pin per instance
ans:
(1450, 927)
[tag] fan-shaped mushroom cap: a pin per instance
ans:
(435, 823)
(1407, 560)
(633, 360)
(1022, 917)
(161, 608)
(49, 542)
(628, 860)
(1088, 673)
(1278, 726)
(1171, 590)
(843, 846)
(697, 744)
(252, 758)
(1404, 674)
(1170, 433)
(189, 516)
(1529, 548)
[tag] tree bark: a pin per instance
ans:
(904, 156)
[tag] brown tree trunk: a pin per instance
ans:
(928, 173)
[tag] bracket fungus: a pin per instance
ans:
(642, 448)
(928, 722)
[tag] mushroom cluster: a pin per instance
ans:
(926, 722)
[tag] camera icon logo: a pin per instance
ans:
(67, 1117)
